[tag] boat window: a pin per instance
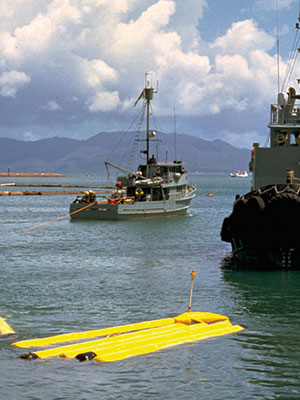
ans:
(156, 194)
(297, 138)
(131, 191)
(164, 171)
(292, 139)
(166, 193)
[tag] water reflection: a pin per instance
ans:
(269, 303)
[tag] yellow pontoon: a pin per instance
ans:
(130, 340)
(117, 343)
(5, 329)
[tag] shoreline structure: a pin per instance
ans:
(34, 174)
(105, 189)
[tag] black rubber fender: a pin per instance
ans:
(89, 355)
(256, 204)
(240, 206)
(225, 230)
(283, 218)
(29, 356)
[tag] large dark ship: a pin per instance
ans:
(263, 226)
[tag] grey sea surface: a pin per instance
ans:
(69, 276)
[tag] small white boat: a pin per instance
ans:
(239, 174)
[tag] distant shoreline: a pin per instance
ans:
(22, 174)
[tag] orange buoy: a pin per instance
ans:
(210, 195)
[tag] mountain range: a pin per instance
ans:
(62, 155)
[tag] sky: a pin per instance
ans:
(74, 68)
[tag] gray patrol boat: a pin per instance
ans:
(263, 226)
(156, 189)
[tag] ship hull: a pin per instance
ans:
(247, 256)
(263, 228)
(138, 210)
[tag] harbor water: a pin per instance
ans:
(69, 276)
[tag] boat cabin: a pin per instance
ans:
(155, 181)
(269, 164)
(167, 171)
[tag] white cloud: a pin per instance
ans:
(11, 82)
(103, 101)
(29, 136)
(39, 33)
(135, 38)
(117, 6)
(88, 58)
(97, 72)
(51, 106)
(5, 9)
(242, 38)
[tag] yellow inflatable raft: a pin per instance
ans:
(5, 329)
(117, 343)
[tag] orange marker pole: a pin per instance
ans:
(193, 274)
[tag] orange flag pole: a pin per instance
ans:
(193, 274)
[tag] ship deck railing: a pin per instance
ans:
(284, 115)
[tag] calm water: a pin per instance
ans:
(68, 276)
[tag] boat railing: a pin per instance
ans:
(284, 115)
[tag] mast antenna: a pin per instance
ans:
(175, 144)
(277, 26)
(147, 95)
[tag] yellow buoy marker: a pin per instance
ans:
(120, 342)
(5, 329)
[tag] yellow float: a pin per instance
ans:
(125, 341)
(117, 343)
(5, 329)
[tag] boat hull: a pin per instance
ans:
(248, 256)
(138, 210)
(262, 228)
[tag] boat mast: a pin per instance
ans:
(278, 54)
(175, 144)
(148, 97)
(147, 94)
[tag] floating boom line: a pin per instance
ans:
(59, 218)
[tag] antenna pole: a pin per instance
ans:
(193, 274)
(175, 145)
(148, 93)
(147, 137)
(277, 25)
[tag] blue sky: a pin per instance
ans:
(74, 68)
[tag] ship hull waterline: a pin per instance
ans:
(247, 256)
(262, 228)
(141, 210)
